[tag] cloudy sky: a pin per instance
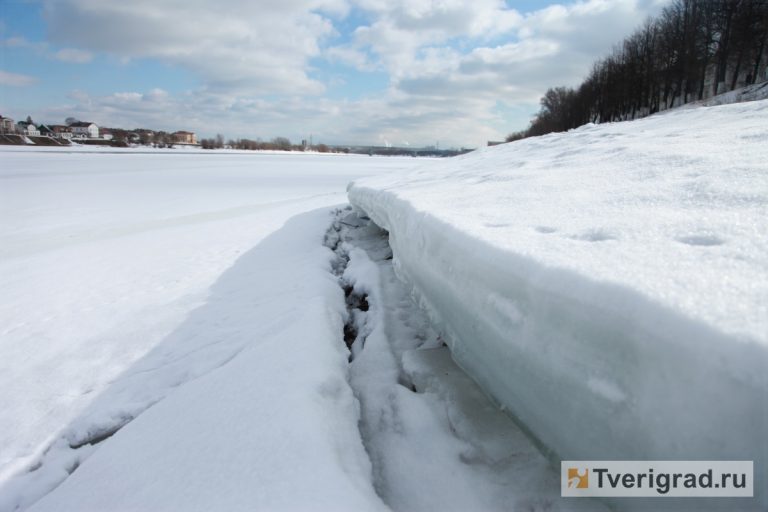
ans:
(401, 72)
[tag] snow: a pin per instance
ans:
(110, 271)
(435, 440)
(607, 286)
(275, 428)
(174, 321)
(751, 92)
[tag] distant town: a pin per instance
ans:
(76, 132)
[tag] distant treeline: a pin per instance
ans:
(284, 144)
(693, 50)
(278, 143)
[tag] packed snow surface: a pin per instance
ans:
(247, 397)
(173, 322)
(608, 286)
(123, 276)
(273, 428)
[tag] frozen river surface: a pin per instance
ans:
(104, 254)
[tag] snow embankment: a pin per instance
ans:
(434, 439)
(751, 92)
(608, 286)
(106, 258)
(273, 428)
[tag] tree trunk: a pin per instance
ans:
(759, 57)
(736, 71)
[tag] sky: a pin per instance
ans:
(455, 73)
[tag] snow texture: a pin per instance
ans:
(274, 428)
(607, 286)
(126, 276)
(752, 92)
(435, 440)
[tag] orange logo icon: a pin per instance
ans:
(578, 480)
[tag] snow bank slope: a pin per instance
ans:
(275, 428)
(609, 286)
(104, 254)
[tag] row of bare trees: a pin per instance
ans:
(693, 50)
(278, 143)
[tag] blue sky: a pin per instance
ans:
(345, 71)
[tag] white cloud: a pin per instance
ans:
(16, 79)
(350, 56)
(21, 42)
(252, 47)
(553, 46)
(392, 117)
(42, 48)
(73, 55)
(453, 65)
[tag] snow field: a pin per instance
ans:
(103, 259)
(607, 286)
(272, 428)
(166, 346)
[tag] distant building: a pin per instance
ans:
(84, 129)
(61, 131)
(28, 129)
(183, 137)
(145, 136)
(46, 130)
(7, 125)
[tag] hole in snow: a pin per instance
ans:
(98, 436)
(354, 300)
(71, 469)
(350, 334)
(356, 303)
(404, 381)
(702, 240)
(595, 235)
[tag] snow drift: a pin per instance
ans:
(608, 286)
(272, 428)
(124, 277)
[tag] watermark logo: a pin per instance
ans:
(633, 478)
(578, 479)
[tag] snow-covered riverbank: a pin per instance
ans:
(108, 262)
(608, 286)
(174, 324)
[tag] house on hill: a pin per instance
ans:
(144, 136)
(46, 130)
(84, 129)
(61, 131)
(28, 129)
(7, 125)
(183, 137)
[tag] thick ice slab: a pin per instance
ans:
(608, 286)
(436, 442)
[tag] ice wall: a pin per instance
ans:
(586, 358)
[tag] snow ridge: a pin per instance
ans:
(605, 286)
(435, 441)
(260, 418)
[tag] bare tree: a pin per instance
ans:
(667, 61)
